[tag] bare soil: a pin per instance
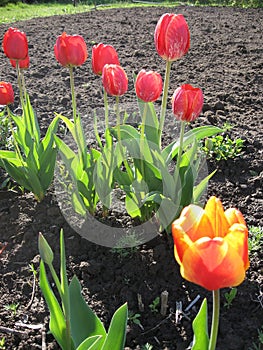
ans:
(226, 61)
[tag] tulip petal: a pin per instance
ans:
(237, 238)
(181, 242)
(195, 223)
(212, 264)
(215, 213)
(234, 216)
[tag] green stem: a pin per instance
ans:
(14, 139)
(179, 156)
(77, 123)
(142, 137)
(129, 172)
(215, 319)
(56, 279)
(19, 81)
(23, 83)
(106, 106)
(73, 97)
(23, 98)
(164, 100)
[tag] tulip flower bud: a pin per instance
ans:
(70, 50)
(101, 55)
(172, 36)
(114, 80)
(23, 64)
(148, 85)
(45, 251)
(6, 93)
(211, 245)
(187, 103)
(15, 44)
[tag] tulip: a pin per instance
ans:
(15, 44)
(70, 50)
(101, 55)
(187, 103)
(172, 36)
(211, 245)
(23, 64)
(6, 93)
(148, 85)
(114, 79)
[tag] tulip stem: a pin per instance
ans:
(74, 105)
(106, 106)
(142, 137)
(77, 121)
(14, 139)
(164, 100)
(128, 169)
(179, 157)
(215, 319)
(19, 81)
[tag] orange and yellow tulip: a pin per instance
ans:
(211, 245)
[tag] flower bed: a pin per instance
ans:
(228, 98)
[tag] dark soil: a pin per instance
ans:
(226, 61)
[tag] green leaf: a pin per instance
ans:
(198, 133)
(201, 339)
(127, 132)
(64, 279)
(117, 330)
(151, 122)
(168, 211)
(47, 155)
(31, 122)
(201, 187)
(91, 343)
(57, 323)
(84, 323)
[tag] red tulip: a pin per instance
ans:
(101, 55)
(6, 93)
(211, 245)
(114, 79)
(70, 50)
(148, 85)
(172, 36)
(187, 103)
(23, 64)
(15, 44)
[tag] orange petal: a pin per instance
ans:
(212, 264)
(181, 242)
(215, 213)
(234, 216)
(237, 238)
(195, 223)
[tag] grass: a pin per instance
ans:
(18, 12)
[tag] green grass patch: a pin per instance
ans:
(21, 11)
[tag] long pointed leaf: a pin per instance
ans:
(201, 339)
(91, 343)
(84, 323)
(57, 323)
(117, 330)
(198, 133)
